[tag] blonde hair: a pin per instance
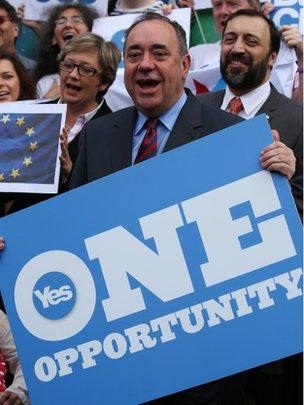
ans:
(108, 54)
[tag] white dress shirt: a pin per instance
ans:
(252, 101)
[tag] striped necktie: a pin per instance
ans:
(235, 105)
(148, 147)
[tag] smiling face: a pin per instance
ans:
(77, 90)
(246, 59)
(8, 32)
(64, 33)
(222, 10)
(154, 68)
(9, 82)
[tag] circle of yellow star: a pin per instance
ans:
(33, 146)
(20, 121)
(30, 131)
(15, 173)
(27, 161)
(1, 176)
(5, 118)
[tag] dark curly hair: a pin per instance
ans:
(48, 53)
(27, 86)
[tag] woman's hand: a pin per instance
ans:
(66, 163)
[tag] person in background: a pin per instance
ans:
(87, 67)
(15, 82)
(9, 28)
(120, 7)
(16, 393)
(249, 49)
(63, 23)
(287, 72)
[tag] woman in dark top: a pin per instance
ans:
(87, 68)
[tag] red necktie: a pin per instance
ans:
(235, 105)
(148, 147)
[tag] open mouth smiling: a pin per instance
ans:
(68, 36)
(73, 87)
(147, 83)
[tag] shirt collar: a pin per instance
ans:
(251, 99)
(89, 114)
(167, 119)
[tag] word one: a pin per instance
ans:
(238, 227)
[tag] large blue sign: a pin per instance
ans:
(178, 271)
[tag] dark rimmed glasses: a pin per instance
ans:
(82, 70)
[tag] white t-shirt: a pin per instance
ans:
(207, 56)
(45, 84)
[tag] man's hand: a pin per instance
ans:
(278, 157)
(9, 398)
(267, 8)
(1, 243)
(34, 24)
(185, 3)
(293, 39)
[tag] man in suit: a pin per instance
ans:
(249, 48)
(163, 118)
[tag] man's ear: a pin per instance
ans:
(54, 42)
(272, 59)
(186, 62)
(16, 30)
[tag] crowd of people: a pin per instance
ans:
(77, 67)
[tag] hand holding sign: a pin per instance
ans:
(9, 398)
(278, 157)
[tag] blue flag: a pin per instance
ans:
(28, 147)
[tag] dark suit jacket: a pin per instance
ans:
(106, 143)
(286, 117)
(24, 200)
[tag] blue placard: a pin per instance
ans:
(178, 271)
(288, 12)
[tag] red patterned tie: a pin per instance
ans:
(148, 147)
(235, 105)
(2, 373)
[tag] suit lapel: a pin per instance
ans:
(188, 126)
(120, 140)
(270, 105)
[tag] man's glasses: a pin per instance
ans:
(4, 18)
(76, 19)
(82, 70)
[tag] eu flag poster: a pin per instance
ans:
(29, 147)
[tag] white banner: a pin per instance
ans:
(200, 4)
(112, 28)
(36, 9)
